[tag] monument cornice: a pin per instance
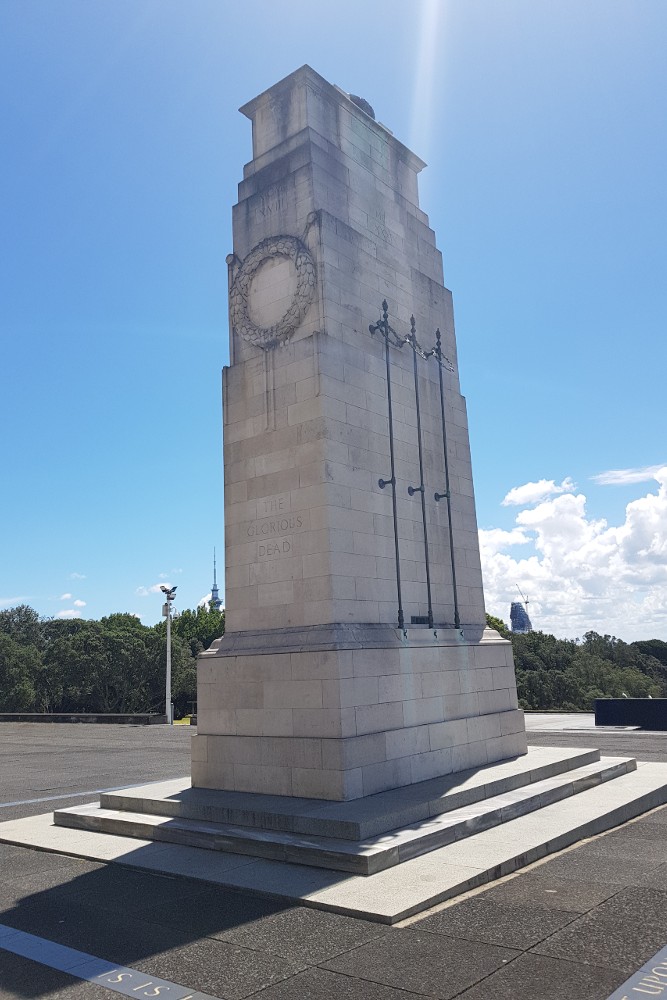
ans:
(308, 77)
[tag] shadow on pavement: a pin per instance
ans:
(109, 911)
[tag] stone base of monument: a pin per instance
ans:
(365, 836)
(572, 794)
(345, 711)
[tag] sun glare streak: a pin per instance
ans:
(431, 19)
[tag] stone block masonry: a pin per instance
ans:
(323, 721)
(327, 226)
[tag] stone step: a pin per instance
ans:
(357, 819)
(363, 857)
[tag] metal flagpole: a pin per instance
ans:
(384, 329)
(446, 495)
(412, 340)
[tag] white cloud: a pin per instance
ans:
(495, 539)
(12, 602)
(155, 588)
(529, 493)
(79, 604)
(65, 597)
(205, 602)
(69, 613)
(77, 576)
(582, 573)
(622, 477)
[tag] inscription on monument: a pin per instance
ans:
(275, 526)
(381, 231)
(278, 504)
(272, 202)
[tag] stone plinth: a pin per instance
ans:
(363, 710)
(314, 691)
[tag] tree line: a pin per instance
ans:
(116, 664)
(569, 674)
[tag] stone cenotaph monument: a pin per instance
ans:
(359, 748)
(356, 657)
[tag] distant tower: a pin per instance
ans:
(215, 601)
(519, 618)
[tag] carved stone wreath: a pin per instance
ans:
(275, 246)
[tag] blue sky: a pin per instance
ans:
(544, 127)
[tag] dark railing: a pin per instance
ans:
(438, 355)
(390, 337)
(382, 327)
(412, 341)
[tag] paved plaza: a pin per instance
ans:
(576, 925)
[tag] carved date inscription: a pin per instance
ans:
(275, 200)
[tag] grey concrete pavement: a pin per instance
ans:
(577, 924)
(66, 763)
(558, 721)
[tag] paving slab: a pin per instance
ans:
(424, 963)
(600, 869)
(536, 976)
(304, 935)
(216, 910)
(484, 919)
(219, 968)
(625, 931)
(64, 920)
(320, 984)
(539, 889)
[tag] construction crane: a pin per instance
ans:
(523, 596)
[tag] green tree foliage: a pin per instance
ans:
(568, 675)
(22, 624)
(191, 632)
(198, 628)
(118, 665)
(656, 650)
(112, 665)
(19, 666)
(653, 647)
(499, 625)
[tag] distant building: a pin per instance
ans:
(215, 601)
(519, 619)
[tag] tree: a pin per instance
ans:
(22, 624)
(19, 666)
(499, 625)
(118, 664)
(192, 631)
(109, 665)
(199, 628)
(655, 653)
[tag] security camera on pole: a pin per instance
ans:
(170, 594)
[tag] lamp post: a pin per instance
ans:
(170, 594)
